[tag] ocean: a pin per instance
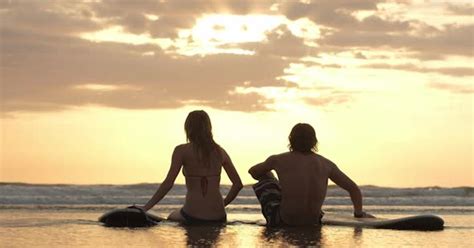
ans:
(36, 215)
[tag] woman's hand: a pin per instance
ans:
(363, 214)
(139, 207)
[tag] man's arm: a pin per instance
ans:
(343, 181)
(167, 184)
(263, 169)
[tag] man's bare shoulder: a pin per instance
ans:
(280, 156)
(325, 161)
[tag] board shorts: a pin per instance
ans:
(268, 192)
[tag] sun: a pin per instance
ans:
(224, 29)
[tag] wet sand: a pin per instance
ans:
(73, 228)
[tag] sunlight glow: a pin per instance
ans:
(223, 29)
(212, 34)
(104, 87)
(219, 34)
(117, 34)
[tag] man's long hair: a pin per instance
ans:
(303, 138)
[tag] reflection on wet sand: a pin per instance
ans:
(294, 236)
(202, 235)
(357, 235)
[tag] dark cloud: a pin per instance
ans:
(359, 55)
(341, 30)
(75, 16)
(136, 23)
(451, 71)
(280, 42)
(41, 17)
(375, 23)
(454, 88)
(460, 9)
(168, 25)
(43, 60)
(452, 40)
(56, 64)
(173, 15)
(331, 13)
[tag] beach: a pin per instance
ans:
(103, 102)
(66, 216)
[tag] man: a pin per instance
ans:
(297, 198)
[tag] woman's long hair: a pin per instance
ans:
(199, 132)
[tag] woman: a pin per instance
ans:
(202, 159)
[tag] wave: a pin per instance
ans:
(164, 210)
(69, 194)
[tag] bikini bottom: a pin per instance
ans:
(190, 220)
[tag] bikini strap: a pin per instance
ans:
(204, 184)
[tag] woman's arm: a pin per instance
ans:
(234, 178)
(167, 184)
(343, 181)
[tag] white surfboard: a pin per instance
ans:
(425, 222)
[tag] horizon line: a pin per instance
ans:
(181, 184)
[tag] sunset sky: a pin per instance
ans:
(97, 92)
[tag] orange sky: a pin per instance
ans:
(98, 92)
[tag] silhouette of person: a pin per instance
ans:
(297, 197)
(202, 160)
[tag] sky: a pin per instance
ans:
(96, 92)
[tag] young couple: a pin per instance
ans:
(295, 199)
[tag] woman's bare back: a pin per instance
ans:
(203, 197)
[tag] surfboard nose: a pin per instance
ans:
(128, 217)
(427, 222)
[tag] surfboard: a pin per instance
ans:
(129, 217)
(425, 222)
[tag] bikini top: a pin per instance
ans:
(204, 181)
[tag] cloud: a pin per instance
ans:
(173, 15)
(454, 88)
(46, 66)
(56, 64)
(280, 42)
(460, 9)
(334, 14)
(342, 30)
(41, 17)
(359, 55)
(451, 71)
(453, 40)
